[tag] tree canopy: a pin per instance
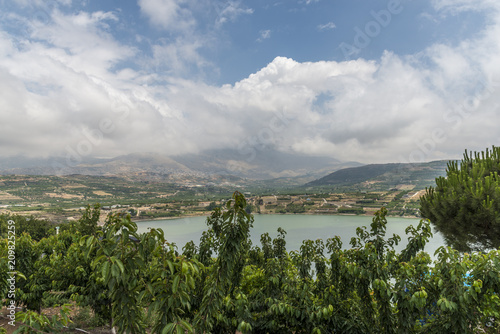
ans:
(141, 283)
(464, 206)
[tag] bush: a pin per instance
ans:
(356, 211)
(37, 228)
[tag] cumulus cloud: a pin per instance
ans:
(67, 88)
(179, 56)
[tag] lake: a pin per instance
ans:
(298, 228)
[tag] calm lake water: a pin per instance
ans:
(298, 228)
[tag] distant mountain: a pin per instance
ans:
(208, 166)
(128, 164)
(267, 164)
(230, 166)
(384, 175)
(356, 174)
(135, 163)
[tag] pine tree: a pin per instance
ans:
(465, 205)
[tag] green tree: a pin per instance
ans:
(120, 261)
(37, 228)
(70, 270)
(221, 296)
(465, 205)
(211, 206)
(31, 261)
(88, 223)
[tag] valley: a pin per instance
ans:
(146, 194)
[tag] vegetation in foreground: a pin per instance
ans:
(142, 283)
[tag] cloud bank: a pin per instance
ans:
(69, 87)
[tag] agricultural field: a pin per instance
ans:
(61, 199)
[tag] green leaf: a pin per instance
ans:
(120, 265)
(168, 329)
(186, 326)
(105, 270)
(191, 282)
(170, 266)
(175, 285)
(115, 271)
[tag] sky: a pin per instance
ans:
(371, 81)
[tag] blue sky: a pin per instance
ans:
(364, 80)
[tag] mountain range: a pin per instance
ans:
(272, 168)
(204, 166)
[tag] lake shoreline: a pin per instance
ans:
(136, 220)
(298, 227)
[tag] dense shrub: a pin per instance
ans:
(320, 288)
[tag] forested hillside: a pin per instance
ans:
(384, 176)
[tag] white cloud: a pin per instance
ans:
(264, 34)
(42, 3)
(189, 29)
(81, 43)
(70, 78)
(169, 14)
(231, 11)
(177, 57)
(326, 26)
(455, 6)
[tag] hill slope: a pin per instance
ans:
(384, 176)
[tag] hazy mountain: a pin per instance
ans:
(385, 175)
(208, 165)
(137, 162)
(263, 165)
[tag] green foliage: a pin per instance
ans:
(119, 259)
(465, 205)
(85, 318)
(35, 227)
(230, 230)
(295, 208)
(211, 206)
(4, 267)
(33, 322)
(400, 195)
(70, 271)
(356, 211)
(249, 208)
(88, 223)
(31, 261)
(51, 299)
(170, 287)
(140, 283)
